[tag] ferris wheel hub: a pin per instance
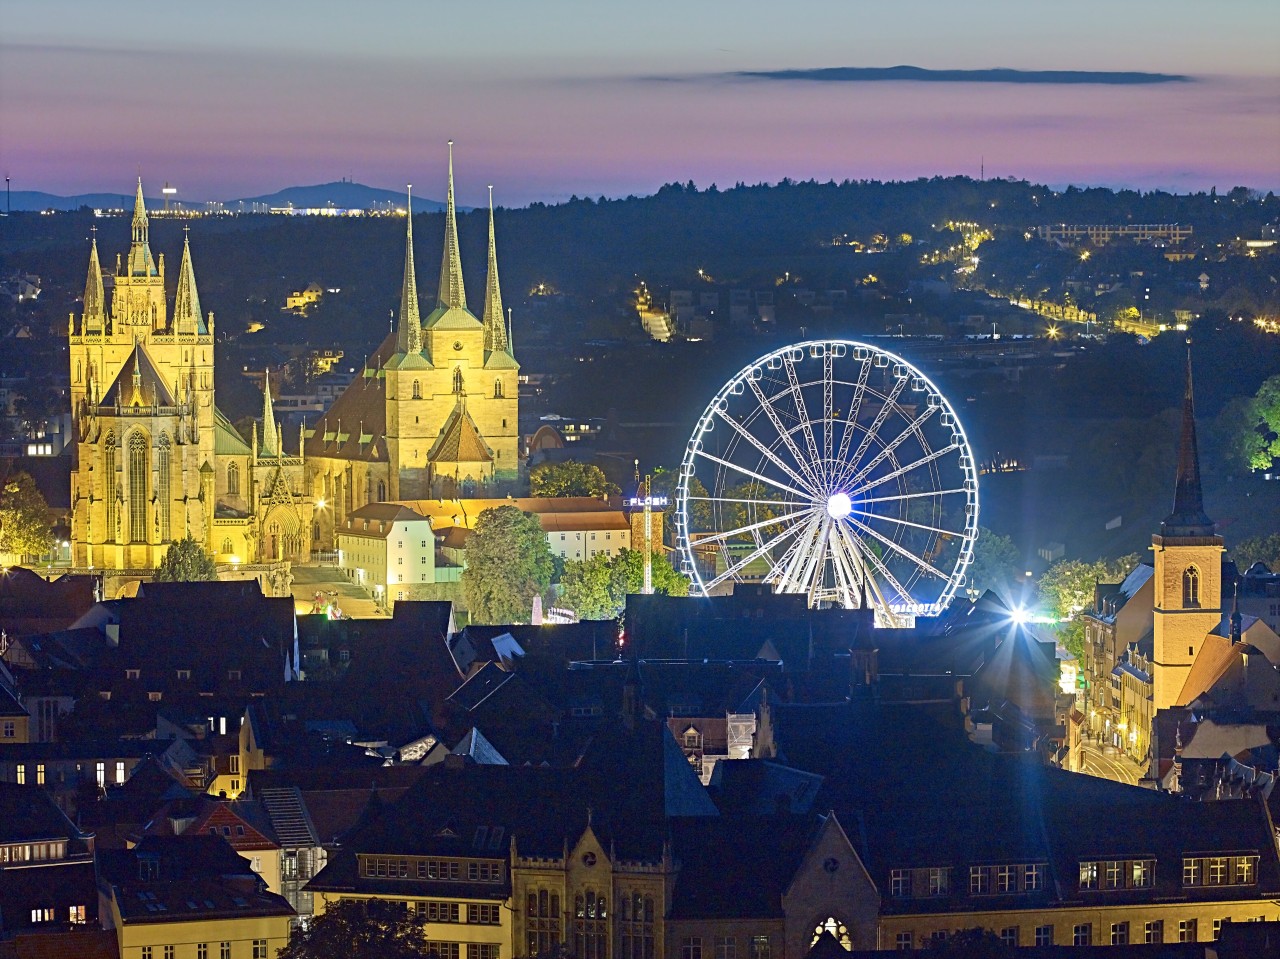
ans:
(839, 505)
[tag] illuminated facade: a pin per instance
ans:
(434, 411)
(154, 457)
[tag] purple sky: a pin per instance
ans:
(568, 96)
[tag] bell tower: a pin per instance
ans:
(1188, 569)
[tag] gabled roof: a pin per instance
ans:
(147, 388)
(227, 441)
(459, 440)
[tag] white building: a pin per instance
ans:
(387, 548)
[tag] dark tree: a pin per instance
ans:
(361, 929)
(186, 561)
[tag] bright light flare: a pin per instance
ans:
(839, 505)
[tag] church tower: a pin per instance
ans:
(142, 410)
(1188, 570)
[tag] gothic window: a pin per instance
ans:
(590, 926)
(137, 480)
(109, 448)
(417, 390)
(543, 922)
(457, 379)
(837, 929)
(497, 389)
(636, 922)
(382, 491)
(1191, 587)
(164, 496)
(233, 479)
(226, 546)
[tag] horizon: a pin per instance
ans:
(234, 102)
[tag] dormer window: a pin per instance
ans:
(132, 673)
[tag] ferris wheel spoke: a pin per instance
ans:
(804, 497)
(789, 579)
(760, 524)
(893, 444)
(851, 419)
(902, 496)
(902, 470)
(785, 435)
(845, 565)
(904, 522)
(869, 556)
(750, 558)
(904, 553)
(828, 412)
(753, 502)
(889, 403)
(806, 424)
(754, 441)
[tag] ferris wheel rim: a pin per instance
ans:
(827, 511)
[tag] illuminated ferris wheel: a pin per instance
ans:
(833, 469)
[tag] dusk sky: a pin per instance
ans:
(556, 97)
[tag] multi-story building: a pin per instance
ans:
(46, 864)
(1121, 618)
(388, 549)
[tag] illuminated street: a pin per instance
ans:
(1118, 768)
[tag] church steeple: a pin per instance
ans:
(186, 302)
(140, 260)
(453, 294)
(1188, 517)
(270, 436)
(495, 329)
(409, 331)
(94, 298)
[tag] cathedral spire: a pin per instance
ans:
(186, 302)
(1188, 517)
(452, 295)
(140, 260)
(495, 329)
(94, 299)
(270, 437)
(409, 333)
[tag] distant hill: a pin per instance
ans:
(343, 194)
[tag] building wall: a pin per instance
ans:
(242, 933)
(1179, 630)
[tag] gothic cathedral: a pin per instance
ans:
(154, 458)
(433, 413)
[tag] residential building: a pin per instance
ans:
(46, 864)
(388, 549)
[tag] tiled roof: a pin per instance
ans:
(289, 817)
(154, 389)
(459, 440)
(355, 427)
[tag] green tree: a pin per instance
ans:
(995, 565)
(24, 517)
(665, 482)
(569, 479)
(509, 562)
(360, 929)
(1265, 549)
(597, 588)
(186, 561)
(1067, 590)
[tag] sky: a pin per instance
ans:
(547, 99)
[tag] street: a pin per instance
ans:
(1118, 767)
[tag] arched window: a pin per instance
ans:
(382, 491)
(109, 449)
(137, 480)
(1191, 588)
(227, 548)
(417, 390)
(164, 495)
(233, 479)
(457, 379)
(837, 929)
(497, 389)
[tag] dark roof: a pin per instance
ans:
(63, 944)
(147, 388)
(359, 412)
(28, 813)
(31, 604)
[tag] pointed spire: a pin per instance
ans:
(452, 294)
(94, 299)
(1188, 517)
(186, 302)
(495, 329)
(270, 436)
(409, 334)
(1236, 619)
(140, 260)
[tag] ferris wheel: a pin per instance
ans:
(834, 469)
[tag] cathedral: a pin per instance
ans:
(432, 413)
